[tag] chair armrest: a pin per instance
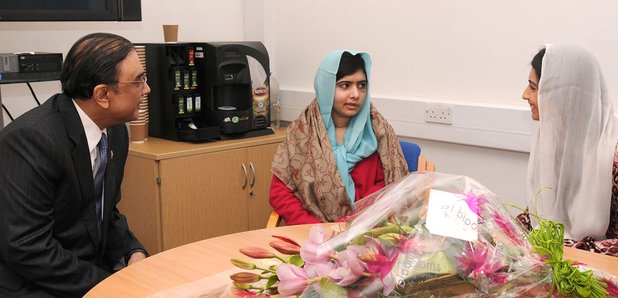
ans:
(274, 220)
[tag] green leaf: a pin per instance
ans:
(390, 237)
(547, 240)
(583, 292)
(330, 289)
(271, 281)
(295, 260)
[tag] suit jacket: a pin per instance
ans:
(49, 243)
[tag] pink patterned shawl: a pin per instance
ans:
(305, 162)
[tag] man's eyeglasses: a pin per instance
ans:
(139, 83)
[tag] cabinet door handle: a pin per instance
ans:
(253, 173)
(244, 171)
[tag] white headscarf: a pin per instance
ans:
(573, 145)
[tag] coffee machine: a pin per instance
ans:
(238, 88)
(207, 91)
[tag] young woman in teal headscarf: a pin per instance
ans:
(339, 150)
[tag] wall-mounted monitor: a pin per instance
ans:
(70, 10)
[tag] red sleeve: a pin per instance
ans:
(288, 205)
(368, 176)
(378, 179)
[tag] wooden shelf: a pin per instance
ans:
(159, 149)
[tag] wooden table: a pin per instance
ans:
(195, 261)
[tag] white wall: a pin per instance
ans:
(473, 50)
(199, 20)
(472, 54)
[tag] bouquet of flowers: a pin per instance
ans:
(428, 235)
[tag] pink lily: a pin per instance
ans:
(292, 279)
(343, 276)
(506, 227)
(320, 269)
(472, 260)
(478, 262)
(474, 201)
(286, 239)
(315, 250)
(350, 258)
(245, 277)
(256, 252)
(381, 260)
(285, 248)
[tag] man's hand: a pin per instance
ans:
(136, 257)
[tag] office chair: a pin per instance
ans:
(411, 153)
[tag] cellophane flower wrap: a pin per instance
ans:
(427, 235)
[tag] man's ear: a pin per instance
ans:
(100, 95)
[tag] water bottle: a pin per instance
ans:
(275, 105)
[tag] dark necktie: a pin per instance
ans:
(98, 179)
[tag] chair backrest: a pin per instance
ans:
(425, 165)
(411, 152)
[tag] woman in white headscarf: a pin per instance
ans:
(573, 158)
(340, 149)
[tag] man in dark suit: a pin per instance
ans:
(61, 166)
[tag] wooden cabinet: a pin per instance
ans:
(175, 193)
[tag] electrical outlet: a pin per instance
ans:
(438, 113)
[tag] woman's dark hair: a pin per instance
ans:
(537, 63)
(350, 64)
(93, 60)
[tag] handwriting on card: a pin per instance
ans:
(449, 215)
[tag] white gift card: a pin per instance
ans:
(448, 215)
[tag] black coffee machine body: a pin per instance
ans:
(238, 86)
(208, 91)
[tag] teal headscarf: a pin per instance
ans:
(360, 140)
